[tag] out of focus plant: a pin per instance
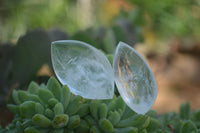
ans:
(20, 63)
(16, 17)
(167, 18)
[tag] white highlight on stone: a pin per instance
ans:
(134, 79)
(85, 70)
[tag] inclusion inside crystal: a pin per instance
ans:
(85, 70)
(134, 79)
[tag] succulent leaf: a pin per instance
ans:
(60, 121)
(65, 96)
(58, 109)
(23, 96)
(185, 111)
(94, 129)
(41, 120)
(13, 108)
(74, 121)
(94, 106)
(39, 109)
(33, 88)
(83, 127)
(114, 117)
(35, 98)
(106, 126)
(43, 109)
(90, 120)
(49, 113)
(103, 110)
(27, 109)
(188, 126)
(52, 102)
(45, 95)
(84, 110)
(54, 86)
(15, 97)
(35, 130)
(74, 105)
(132, 121)
(126, 130)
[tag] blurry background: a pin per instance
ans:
(166, 33)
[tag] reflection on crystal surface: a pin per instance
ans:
(83, 68)
(134, 79)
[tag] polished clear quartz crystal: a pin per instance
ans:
(134, 79)
(85, 70)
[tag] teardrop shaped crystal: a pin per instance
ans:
(134, 79)
(85, 70)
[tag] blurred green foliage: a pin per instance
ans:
(21, 15)
(168, 18)
(20, 63)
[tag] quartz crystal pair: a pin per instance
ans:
(88, 73)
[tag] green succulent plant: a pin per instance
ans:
(52, 108)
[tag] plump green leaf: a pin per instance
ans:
(52, 102)
(94, 106)
(33, 97)
(126, 130)
(35, 130)
(57, 130)
(74, 105)
(65, 96)
(49, 113)
(41, 120)
(39, 109)
(27, 109)
(84, 110)
(90, 120)
(114, 117)
(33, 88)
(58, 109)
(120, 105)
(111, 106)
(60, 121)
(95, 129)
(185, 111)
(45, 95)
(23, 95)
(103, 110)
(54, 86)
(83, 127)
(153, 125)
(13, 108)
(151, 113)
(15, 97)
(74, 121)
(106, 125)
(188, 127)
(135, 120)
(128, 113)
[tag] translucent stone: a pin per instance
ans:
(134, 79)
(85, 70)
